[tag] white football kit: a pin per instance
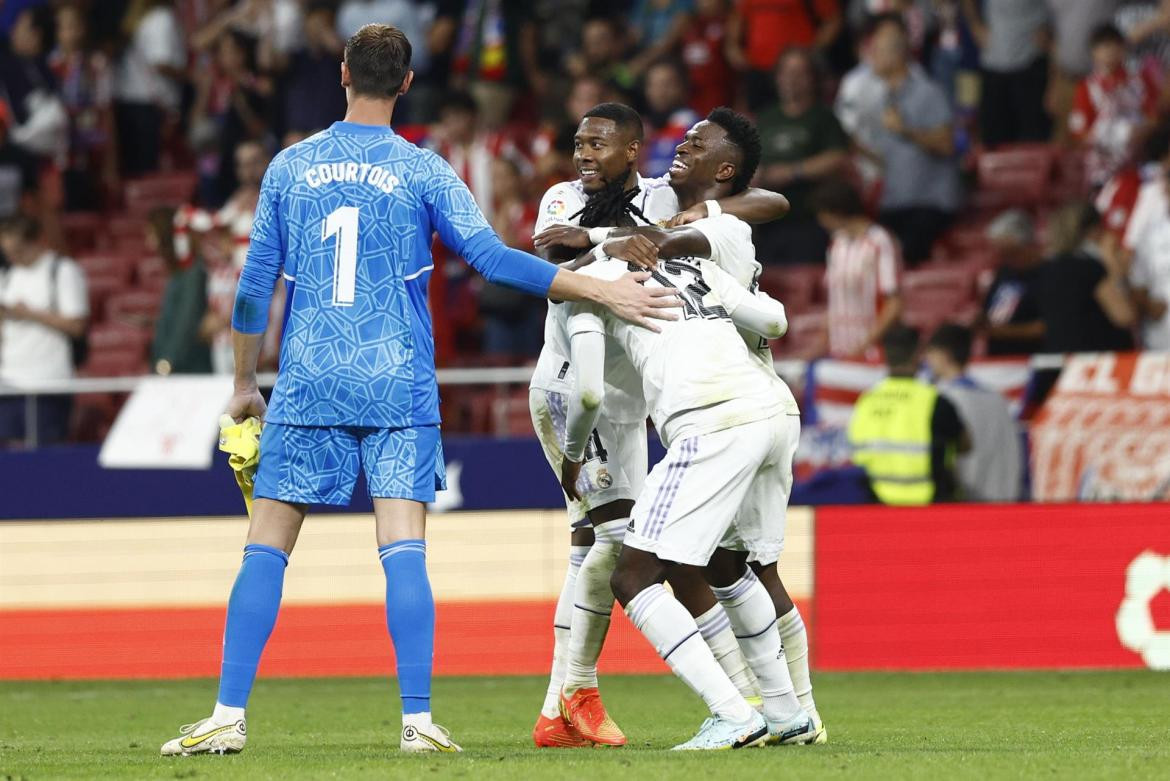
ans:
(731, 427)
(615, 461)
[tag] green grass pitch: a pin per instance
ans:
(897, 726)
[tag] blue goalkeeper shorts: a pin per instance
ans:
(320, 464)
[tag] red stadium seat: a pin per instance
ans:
(118, 337)
(1016, 176)
(797, 287)
(114, 363)
(93, 415)
(805, 331)
(172, 189)
(134, 305)
(81, 230)
(106, 264)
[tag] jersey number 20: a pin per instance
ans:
(343, 223)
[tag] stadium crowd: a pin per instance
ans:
(999, 163)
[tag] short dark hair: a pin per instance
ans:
(954, 340)
(1106, 33)
(900, 343)
(378, 57)
(743, 135)
(876, 21)
(627, 120)
(675, 65)
(837, 196)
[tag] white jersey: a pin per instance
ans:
(697, 374)
(624, 402)
(732, 250)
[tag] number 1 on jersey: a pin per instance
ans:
(343, 223)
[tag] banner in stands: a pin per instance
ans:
(1104, 432)
(992, 587)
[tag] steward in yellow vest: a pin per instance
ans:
(903, 433)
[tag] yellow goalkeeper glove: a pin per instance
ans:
(241, 441)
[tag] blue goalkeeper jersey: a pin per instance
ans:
(348, 216)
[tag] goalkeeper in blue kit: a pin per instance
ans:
(347, 217)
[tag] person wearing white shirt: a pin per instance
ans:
(43, 307)
(1147, 237)
(147, 85)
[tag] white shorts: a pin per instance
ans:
(615, 459)
(728, 489)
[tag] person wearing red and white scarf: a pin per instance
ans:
(1111, 104)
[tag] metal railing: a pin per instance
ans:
(792, 370)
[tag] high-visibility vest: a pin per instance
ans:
(890, 436)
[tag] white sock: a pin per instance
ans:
(716, 630)
(592, 605)
(562, 622)
(795, 641)
(420, 721)
(226, 714)
(753, 618)
(675, 636)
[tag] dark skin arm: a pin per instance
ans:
(754, 206)
(642, 245)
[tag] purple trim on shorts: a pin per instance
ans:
(687, 452)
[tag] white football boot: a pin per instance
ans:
(718, 734)
(207, 737)
(432, 738)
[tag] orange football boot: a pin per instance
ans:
(557, 733)
(584, 711)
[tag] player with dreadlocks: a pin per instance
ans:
(609, 193)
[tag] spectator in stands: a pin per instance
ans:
(231, 103)
(1147, 240)
(667, 116)
(803, 144)
(992, 470)
(312, 99)
(148, 83)
(87, 89)
(904, 433)
(274, 24)
(226, 240)
(176, 347)
(43, 310)
(1110, 106)
(462, 140)
(511, 320)
(495, 56)
(1146, 26)
(703, 50)
(1011, 311)
(1084, 297)
(914, 142)
(758, 30)
(601, 53)
(1073, 22)
(657, 28)
(18, 173)
(417, 19)
(1014, 38)
(862, 276)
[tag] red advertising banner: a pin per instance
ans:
(1104, 432)
(992, 587)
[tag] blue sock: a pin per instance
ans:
(410, 615)
(251, 614)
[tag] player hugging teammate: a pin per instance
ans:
(710, 518)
